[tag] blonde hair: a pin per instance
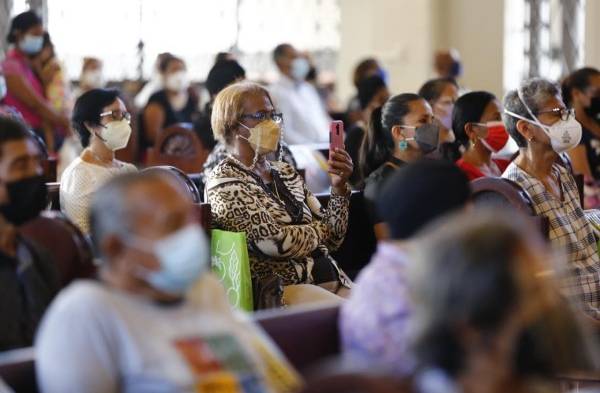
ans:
(229, 107)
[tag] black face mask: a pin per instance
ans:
(593, 110)
(27, 198)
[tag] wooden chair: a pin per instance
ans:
(69, 248)
(178, 146)
(50, 166)
(501, 194)
(182, 178)
(54, 195)
(17, 369)
(305, 336)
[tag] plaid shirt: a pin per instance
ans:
(570, 233)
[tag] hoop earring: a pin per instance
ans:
(403, 145)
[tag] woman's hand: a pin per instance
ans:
(340, 169)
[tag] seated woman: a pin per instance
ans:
(401, 131)
(509, 331)
(290, 235)
(478, 127)
(173, 104)
(538, 120)
(441, 94)
(102, 122)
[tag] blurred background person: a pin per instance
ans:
(581, 91)
(365, 68)
(91, 76)
(441, 94)
(25, 90)
(372, 93)
(447, 64)
(175, 103)
(305, 118)
(477, 124)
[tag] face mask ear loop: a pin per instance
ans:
(280, 158)
(534, 117)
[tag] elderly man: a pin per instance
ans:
(304, 115)
(138, 329)
(28, 278)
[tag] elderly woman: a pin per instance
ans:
(508, 331)
(102, 122)
(290, 235)
(538, 120)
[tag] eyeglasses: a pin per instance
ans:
(262, 116)
(117, 115)
(563, 113)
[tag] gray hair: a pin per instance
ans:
(110, 213)
(535, 92)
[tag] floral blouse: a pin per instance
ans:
(289, 233)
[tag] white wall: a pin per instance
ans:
(592, 33)
(399, 33)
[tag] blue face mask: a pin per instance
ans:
(183, 256)
(31, 44)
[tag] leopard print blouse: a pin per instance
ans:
(281, 240)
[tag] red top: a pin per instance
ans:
(15, 63)
(474, 172)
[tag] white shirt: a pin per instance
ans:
(99, 339)
(78, 183)
(304, 117)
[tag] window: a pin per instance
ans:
(193, 29)
(559, 44)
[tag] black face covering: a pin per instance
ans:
(427, 137)
(27, 198)
(593, 110)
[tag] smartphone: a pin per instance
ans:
(336, 135)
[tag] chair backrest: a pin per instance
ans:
(50, 168)
(305, 336)
(360, 242)
(178, 146)
(54, 195)
(17, 369)
(69, 248)
(204, 215)
(500, 193)
(184, 180)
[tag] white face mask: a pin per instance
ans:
(183, 256)
(3, 88)
(564, 134)
(115, 134)
(92, 79)
(300, 68)
(177, 81)
(31, 44)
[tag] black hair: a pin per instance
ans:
(166, 60)
(378, 144)
(578, 79)
(13, 130)
(361, 69)
(22, 23)
(420, 192)
(222, 74)
(433, 88)
(368, 88)
(88, 108)
(279, 51)
(468, 109)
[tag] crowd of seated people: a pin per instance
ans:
(455, 298)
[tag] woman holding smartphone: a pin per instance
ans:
(290, 235)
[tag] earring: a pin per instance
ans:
(403, 145)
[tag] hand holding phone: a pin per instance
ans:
(336, 135)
